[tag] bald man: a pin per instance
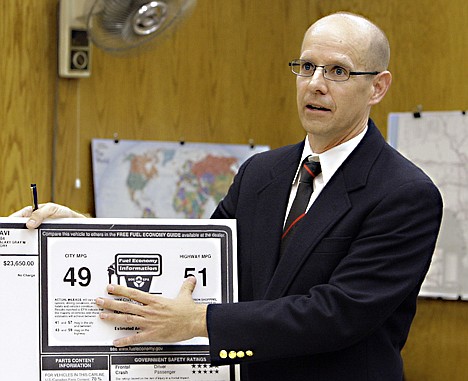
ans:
(329, 293)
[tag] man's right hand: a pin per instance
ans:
(48, 210)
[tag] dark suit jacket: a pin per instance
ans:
(339, 302)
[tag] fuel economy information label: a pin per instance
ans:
(51, 277)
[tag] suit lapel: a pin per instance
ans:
(329, 207)
(269, 216)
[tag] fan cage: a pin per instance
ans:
(120, 25)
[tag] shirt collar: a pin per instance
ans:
(331, 159)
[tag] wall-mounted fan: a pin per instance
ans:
(115, 26)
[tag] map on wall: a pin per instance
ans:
(163, 179)
(438, 143)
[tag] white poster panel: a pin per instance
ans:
(51, 278)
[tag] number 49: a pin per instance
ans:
(84, 276)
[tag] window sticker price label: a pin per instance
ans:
(78, 261)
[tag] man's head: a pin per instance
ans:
(333, 112)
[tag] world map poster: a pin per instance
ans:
(156, 179)
(438, 143)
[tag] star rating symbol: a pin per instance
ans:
(204, 369)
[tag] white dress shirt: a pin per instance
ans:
(330, 161)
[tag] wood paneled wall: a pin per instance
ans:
(222, 77)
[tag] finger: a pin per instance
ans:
(119, 319)
(25, 212)
(49, 210)
(39, 215)
(120, 306)
(187, 287)
(138, 338)
(52, 210)
(130, 293)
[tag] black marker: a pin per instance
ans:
(35, 205)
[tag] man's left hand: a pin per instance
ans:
(159, 319)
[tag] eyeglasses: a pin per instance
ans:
(332, 72)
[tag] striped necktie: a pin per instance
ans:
(309, 170)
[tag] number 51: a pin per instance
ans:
(189, 272)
